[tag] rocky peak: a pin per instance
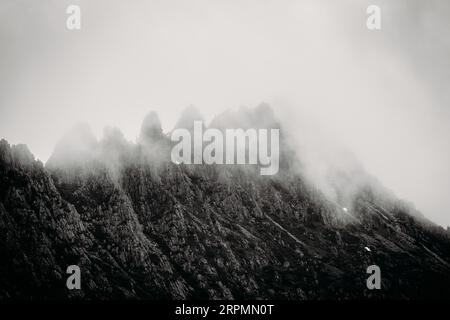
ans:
(151, 129)
(144, 233)
(76, 147)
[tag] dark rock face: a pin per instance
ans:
(145, 229)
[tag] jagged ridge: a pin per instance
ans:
(140, 226)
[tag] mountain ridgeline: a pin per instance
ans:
(142, 227)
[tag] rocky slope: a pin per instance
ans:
(142, 227)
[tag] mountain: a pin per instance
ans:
(142, 227)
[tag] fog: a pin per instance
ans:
(334, 84)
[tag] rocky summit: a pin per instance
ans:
(141, 227)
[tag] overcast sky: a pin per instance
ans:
(383, 94)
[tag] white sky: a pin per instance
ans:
(384, 94)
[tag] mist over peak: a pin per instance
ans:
(113, 147)
(324, 165)
(151, 129)
(113, 136)
(262, 116)
(187, 118)
(76, 147)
